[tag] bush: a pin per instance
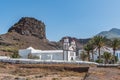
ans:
(116, 59)
(9, 49)
(30, 56)
(99, 61)
(15, 55)
(55, 78)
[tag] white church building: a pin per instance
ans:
(67, 54)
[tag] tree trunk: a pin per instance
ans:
(114, 55)
(88, 56)
(106, 61)
(99, 54)
(92, 55)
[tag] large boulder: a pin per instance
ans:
(30, 27)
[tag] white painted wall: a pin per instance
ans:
(43, 55)
(48, 54)
(117, 53)
(71, 56)
(65, 55)
(24, 53)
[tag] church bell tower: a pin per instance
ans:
(65, 48)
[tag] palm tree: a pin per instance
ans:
(91, 42)
(106, 56)
(99, 42)
(115, 44)
(88, 48)
(83, 56)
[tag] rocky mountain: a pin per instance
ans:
(113, 33)
(29, 27)
(25, 33)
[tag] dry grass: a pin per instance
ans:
(55, 72)
(31, 71)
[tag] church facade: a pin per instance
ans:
(67, 54)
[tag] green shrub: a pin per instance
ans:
(30, 56)
(99, 61)
(116, 58)
(55, 78)
(15, 55)
(9, 49)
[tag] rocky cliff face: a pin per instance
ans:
(25, 33)
(30, 27)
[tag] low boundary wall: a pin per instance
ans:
(35, 61)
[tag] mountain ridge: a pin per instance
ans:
(112, 33)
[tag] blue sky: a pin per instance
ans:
(76, 18)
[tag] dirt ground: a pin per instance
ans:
(103, 73)
(56, 72)
(41, 71)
